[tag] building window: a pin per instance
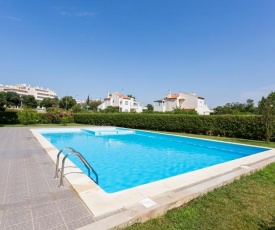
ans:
(126, 102)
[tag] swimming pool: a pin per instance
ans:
(125, 158)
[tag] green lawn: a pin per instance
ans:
(228, 139)
(247, 203)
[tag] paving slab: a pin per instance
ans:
(29, 196)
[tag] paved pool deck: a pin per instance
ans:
(31, 199)
(29, 196)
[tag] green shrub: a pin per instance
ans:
(53, 114)
(110, 109)
(57, 115)
(9, 118)
(43, 118)
(248, 127)
(77, 108)
(65, 120)
(12, 118)
(28, 116)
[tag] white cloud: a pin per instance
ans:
(257, 94)
(13, 18)
(78, 14)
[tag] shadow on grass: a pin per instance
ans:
(268, 225)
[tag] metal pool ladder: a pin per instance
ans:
(80, 156)
(57, 160)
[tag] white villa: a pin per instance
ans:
(122, 102)
(186, 101)
(22, 89)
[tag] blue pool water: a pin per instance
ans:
(125, 158)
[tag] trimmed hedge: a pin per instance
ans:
(12, 118)
(9, 118)
(247, 127)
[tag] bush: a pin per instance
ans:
(77, 108)
(110, 109)
(9, 118)
(248, 127)
(65, 120)
(28, 116)
(43, 118)
(53, 114)
(57, 115)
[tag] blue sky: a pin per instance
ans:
(223, 50)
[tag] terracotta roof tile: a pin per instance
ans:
(122, 96)
(174, 95)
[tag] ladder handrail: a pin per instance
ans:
(57, 160)
(80, 156)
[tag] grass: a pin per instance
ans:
(247, 203)
(227, 139)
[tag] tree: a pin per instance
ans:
(267, 109)
(13, 99)
(29, 101)
(94, 104)
(219, 110)
(67, 102)
(88, 100)
(150, 107)
(237, 108)
(250, 107)
(131, 96)
(110, 109)
(77, 108)
(3, 100)
(49, 102)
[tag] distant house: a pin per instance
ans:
(186, 101)
(122, 102)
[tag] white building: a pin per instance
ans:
(22, 89)
(122, 102)
(186, 101)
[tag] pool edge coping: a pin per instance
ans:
(121, 208)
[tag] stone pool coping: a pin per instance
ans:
(143, 202)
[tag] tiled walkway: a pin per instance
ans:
(29, 196)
